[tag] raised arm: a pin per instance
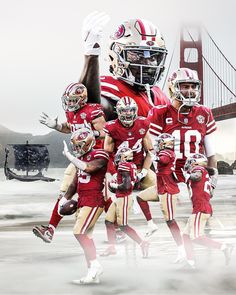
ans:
(92, 31)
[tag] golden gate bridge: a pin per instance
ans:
(200, 52)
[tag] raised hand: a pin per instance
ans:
(92, 31)
(49, 122)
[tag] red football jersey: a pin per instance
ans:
(114, 89)
(129, 137)
(200, 192)
(166, 182)
(90, 186)
(189, 137)
(87, 113)
(126, 167)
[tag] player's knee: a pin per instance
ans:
(107, 222)
(170, 221)
(79, 236)
(123, 227)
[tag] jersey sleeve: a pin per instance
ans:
(109, 88)
(101, 154)
(211, 124)
(155, 117)
(96, 111)
(108, 128)
(143, 123)
(124, 167)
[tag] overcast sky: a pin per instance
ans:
(41, 49)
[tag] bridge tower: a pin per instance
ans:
(199, 52)
(191, 52)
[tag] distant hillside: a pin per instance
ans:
(227, 157)
(54, 139)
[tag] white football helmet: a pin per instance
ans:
(195, 160)
(185, 75)
(123, 155)
(74, 97)
(164, 141)
(137, 53)
(82, 141)
(127, 110)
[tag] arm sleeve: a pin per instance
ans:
(209, 144)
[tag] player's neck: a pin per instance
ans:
(177, 105)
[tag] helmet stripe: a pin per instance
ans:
(69, 87)
(142, 28)
(147, 30)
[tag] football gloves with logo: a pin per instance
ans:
(92, 31)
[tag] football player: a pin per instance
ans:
(131, 131)
(167, 188)
(119, 209)
(191, 124)
(78, 113)
(137, 55)
(199, 185)
(88, 183)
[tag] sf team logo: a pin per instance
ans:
(119, 32)
(200, 119)
(142, 131)
(83, 116)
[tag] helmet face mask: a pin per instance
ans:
(137, 53)
(82, 141)
(123, 155)
(190, 96)
(195, 160)
(127, 110)
(165, 141)
(74, 97)
(185, 86)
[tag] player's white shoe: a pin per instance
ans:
(151, 229)
(181, 256)
(92, 276)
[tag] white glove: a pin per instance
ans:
(214, 178)
(92, 32)
(77, 162)
(186, 175)
(112, 186)
(143, 173)
(114, 177)
(66, 152)
(49, 122)
(62, 201)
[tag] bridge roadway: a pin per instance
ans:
(29, 266)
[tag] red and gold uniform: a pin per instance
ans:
(200, 193)
(76, 120)
(90, 192)
(167, 187)
(119, 210)
(131, 137)
(189, 136)
(166, 182)
(113, 89)
(87, 113)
